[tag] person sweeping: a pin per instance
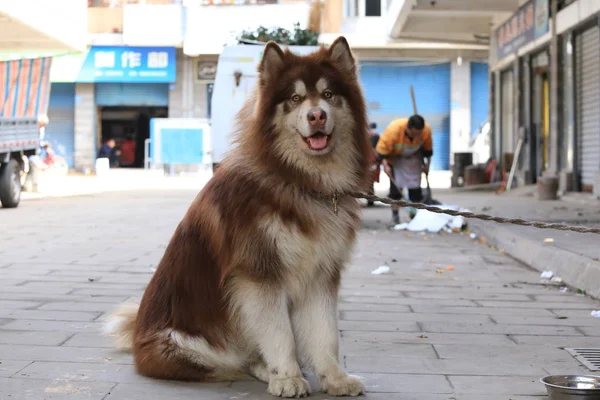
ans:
(405, 149)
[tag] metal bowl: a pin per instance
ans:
(572, 387)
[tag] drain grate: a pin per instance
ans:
(590, 357)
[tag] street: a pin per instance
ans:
(453, 319)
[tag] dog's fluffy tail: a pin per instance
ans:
(121, 325)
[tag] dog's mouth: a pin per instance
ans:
(317, 141)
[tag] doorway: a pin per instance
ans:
(129, 127)
(540, 148)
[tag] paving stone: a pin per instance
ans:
(534, 304)
(37, 289)
(50, 315)
(500, 329)
(163, 390)
(392, 339)
(406, 301)
(590, 331)
(406, 317)
(78, 306)
(60, 326)
(33, 337)
(108, 292)
(538, 353)
(64, 354)
(400, 383)
(15, 304)
(568, 297)
(469, 296)
(357, 348)
(394, 326)
(572, 313)
(556, 341)
(49, 298)
(496, 397)
(10, 282)
(370, 293)
(374, 307)
(406, 396)
(534, 312)
(90, 340)
(397, 365)
(10, 367)
(34, 389)
(83, 371)
(527, 320)
(510, 385)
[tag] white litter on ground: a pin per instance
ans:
(382, 269)
(427, 221)
(556, 279)
(473, 236)
(547, 275)
(564, 290)
(596, 314)
(401, 227)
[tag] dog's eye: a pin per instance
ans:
(296, 98)
(327, 94)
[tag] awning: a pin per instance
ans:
(29, 25)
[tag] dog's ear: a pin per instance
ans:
(271, 63)
(340, 53)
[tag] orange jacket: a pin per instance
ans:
(394, 140)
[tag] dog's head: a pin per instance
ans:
(310, 116)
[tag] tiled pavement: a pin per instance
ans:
(485, 330)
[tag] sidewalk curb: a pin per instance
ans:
(575, 270)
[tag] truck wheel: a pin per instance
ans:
(10, 184)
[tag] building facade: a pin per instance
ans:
(522, 99)
(158, 58)
(449, 80)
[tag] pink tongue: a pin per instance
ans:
(317, 142)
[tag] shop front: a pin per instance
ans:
(131, 86)
(521, 107)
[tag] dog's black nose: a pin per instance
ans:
(316, 116)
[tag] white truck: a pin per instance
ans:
(235, 80)
(24, 96)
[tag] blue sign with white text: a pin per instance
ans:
(129, 65)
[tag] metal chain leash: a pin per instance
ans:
(483, 217)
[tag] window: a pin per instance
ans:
(364, 8)
(351, 8)
(372, 8)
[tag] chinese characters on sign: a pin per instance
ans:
(129, 64)
(527, 24)
(104, 59)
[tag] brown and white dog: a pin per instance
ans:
(249, 281)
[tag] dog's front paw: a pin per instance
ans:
(346, 385)
(289, 387)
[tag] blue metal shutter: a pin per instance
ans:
(387, 90)
(60, 131)
(132, 94)
(480, 92)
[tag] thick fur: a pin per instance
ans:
(249, 281)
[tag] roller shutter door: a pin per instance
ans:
(132, 94)
(387, 90)
(587, 55)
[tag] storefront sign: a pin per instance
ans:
(129, 65)
(526, 25)
(206, 71)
